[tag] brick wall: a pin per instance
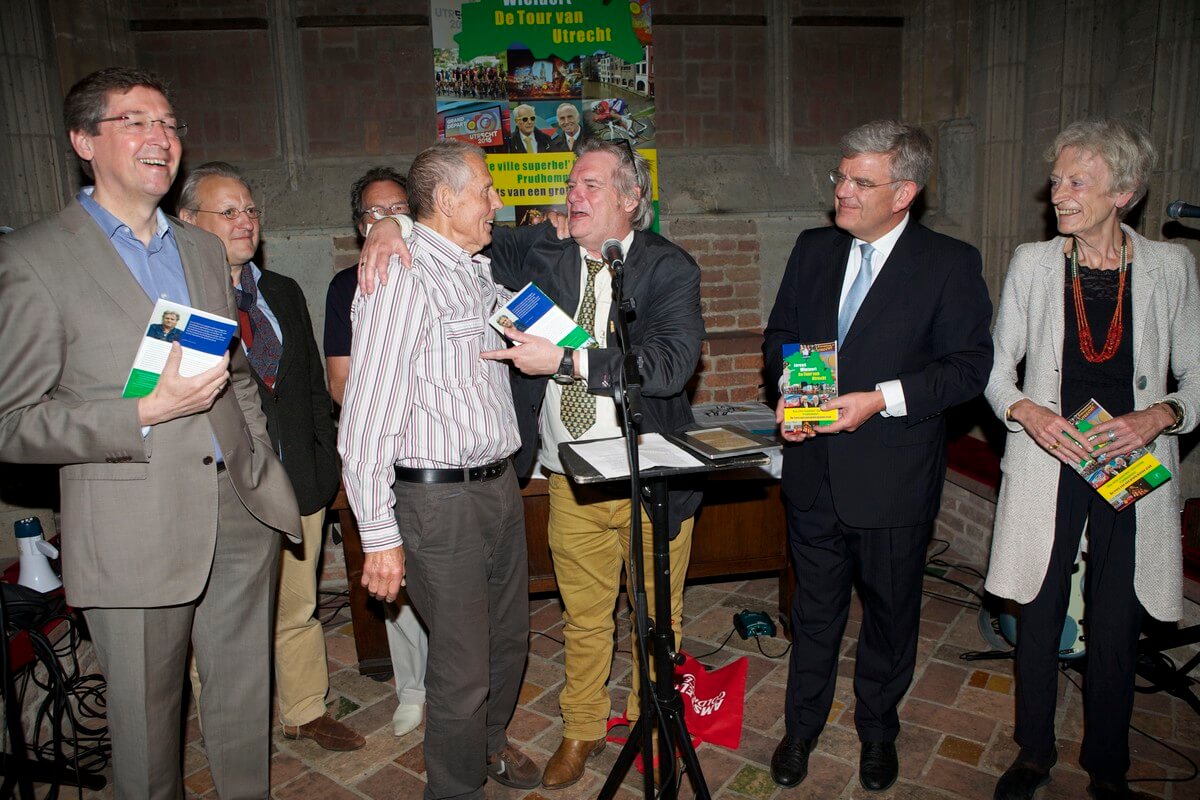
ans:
(842, 77)
(966, 522)
(224, 90)
(709, 86)
(727, 250)
(356, 103)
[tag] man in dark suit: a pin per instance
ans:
(527, 137)
(169, 501)
(277, 337)
(570, 133)
(608, 197)
(910, 312)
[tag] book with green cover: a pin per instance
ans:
(810, 379)
(1124, 479)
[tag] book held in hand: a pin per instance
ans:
(1124, 479)
(810, 379)
(204, 338)
(532, 311)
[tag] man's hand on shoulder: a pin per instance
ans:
(175, 396)
(533, 356)
(384, 240)
(854, 409)
(383, 573)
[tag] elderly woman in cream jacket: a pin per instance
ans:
(1096, 313)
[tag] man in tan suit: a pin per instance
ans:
(169, 500)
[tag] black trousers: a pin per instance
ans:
(1113, 620)
(887, 565)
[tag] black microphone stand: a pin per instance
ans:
(661, 704)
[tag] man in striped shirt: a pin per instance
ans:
(423, 410)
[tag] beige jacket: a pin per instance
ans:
(139, 515)
(1029, 325)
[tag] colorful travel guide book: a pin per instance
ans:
(204, 338)
(810, 379)
(531, 311)
(1122, 480)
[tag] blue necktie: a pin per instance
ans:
(858, 292)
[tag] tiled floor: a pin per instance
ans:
(956, 738)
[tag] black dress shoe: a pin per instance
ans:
(1023, 778)
(789, 765)
(878, 766)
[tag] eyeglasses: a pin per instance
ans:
(526, 119)
(253, 212)
(379, 212)
(142, 125)
(836, 178)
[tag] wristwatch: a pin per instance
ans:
(566, 367)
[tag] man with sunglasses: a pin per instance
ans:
(526, 136)
(909, 311)
(172, 503)
(277, 338)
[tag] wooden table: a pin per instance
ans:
(740, 530)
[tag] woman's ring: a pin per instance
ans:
(1112, 435)
(1054, 446)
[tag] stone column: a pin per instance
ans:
(1003, 40)
(31, 141)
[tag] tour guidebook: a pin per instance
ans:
(204, 338)
(531, 311)
(1122, 480)
(810, 379)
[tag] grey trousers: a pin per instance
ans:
(467, 575)
(143, 655)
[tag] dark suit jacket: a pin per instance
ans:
(665, 334)
(139, 513)
(924, 322)
(517, 145)
(558, 143)
(300, 412)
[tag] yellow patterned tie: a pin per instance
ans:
(578, 407)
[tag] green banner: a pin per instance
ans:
(564, 28)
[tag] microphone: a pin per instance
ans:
(614, 254)
(1174, 211)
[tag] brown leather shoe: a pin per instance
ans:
(566, 766)
(326, 732)
(511, 767)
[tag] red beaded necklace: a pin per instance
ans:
(1116, 328)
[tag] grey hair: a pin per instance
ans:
(910, 148)
(189, 194)
(445, 163)
(630, 178)
(1124, 145)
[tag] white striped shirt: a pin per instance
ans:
(418, 393)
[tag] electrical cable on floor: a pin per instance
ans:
(1151, 737)
(324, 606)
(71, 698)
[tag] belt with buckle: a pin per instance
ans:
(487, 472)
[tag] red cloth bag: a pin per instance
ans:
(713, 701)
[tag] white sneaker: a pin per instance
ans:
(407, 718)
